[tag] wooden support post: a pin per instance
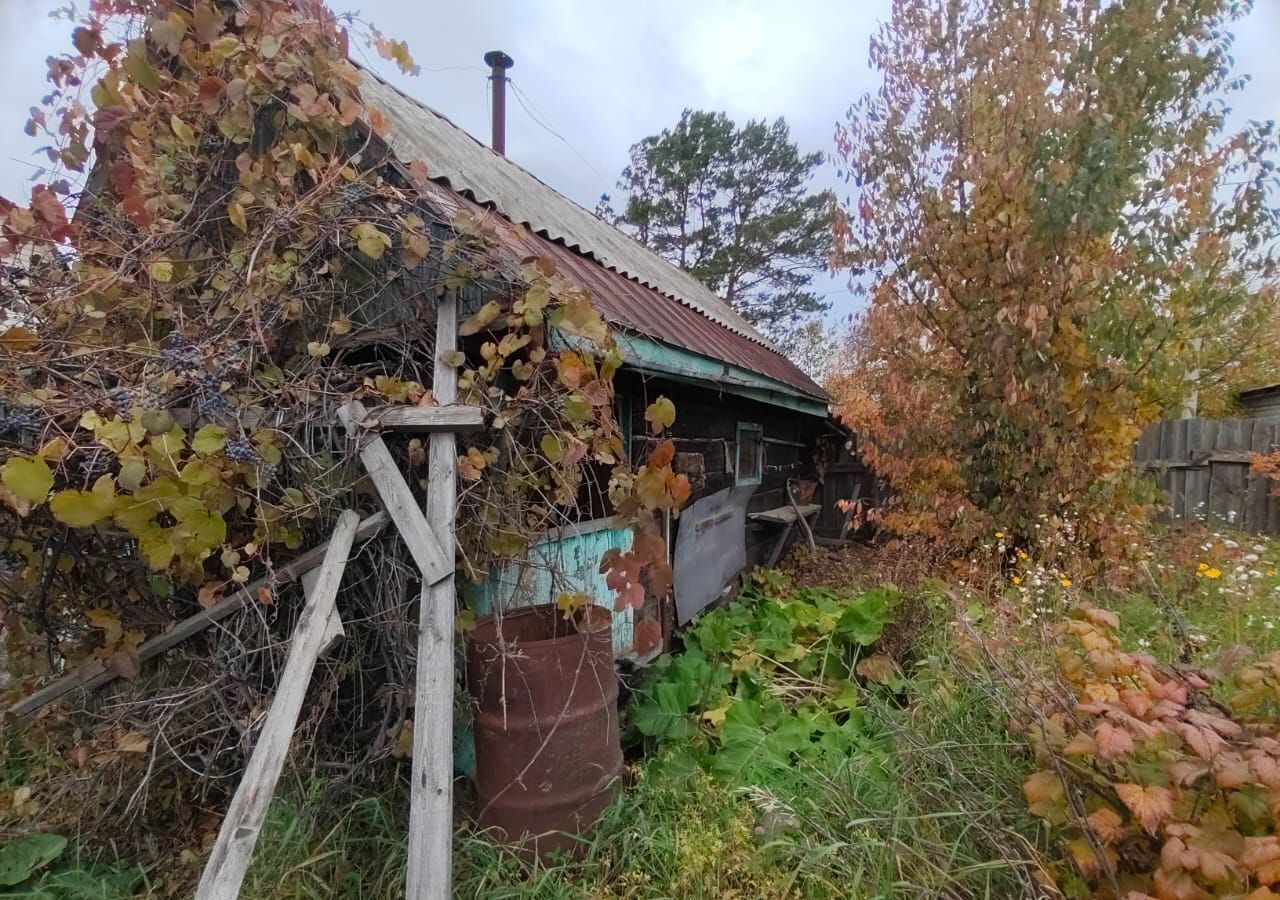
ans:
(398, 500)
(229, 861)
(431, 802)
(94, 675)
(779, 544)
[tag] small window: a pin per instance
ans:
(750, 454)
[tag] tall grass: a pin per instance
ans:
(940, 814)
(316, 845)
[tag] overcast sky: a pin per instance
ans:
(601, 74)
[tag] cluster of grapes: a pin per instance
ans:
(209, 401)
(95, 464)
(241, 449)
(122, 399)
(11, 564)
(352, 195)
(179, 354)
(17, 421)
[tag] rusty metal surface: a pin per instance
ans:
(638, 309)
(546, 727)
(469, 167)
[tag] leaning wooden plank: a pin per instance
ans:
(851, 511)
(397, 498)
(94, 675)
(431, 796)
(232, 851)
(333, 630)
(454, 417)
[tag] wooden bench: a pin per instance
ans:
(786, 518)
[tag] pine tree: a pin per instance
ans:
(729, 205)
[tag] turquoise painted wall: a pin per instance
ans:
(567, 562)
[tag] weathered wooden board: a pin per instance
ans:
(398, 500)
(1203, 465)
(430, 844)
(454, 417)
(783, 515)
(94, 675)
(232, 851)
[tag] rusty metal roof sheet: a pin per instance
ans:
(635, 288)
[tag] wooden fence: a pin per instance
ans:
(1204, 467)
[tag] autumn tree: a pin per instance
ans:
(1056, 230)
(730, 205)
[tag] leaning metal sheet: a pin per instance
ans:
(711, 548)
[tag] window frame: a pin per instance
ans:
(758, 476)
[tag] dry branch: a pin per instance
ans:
(94, 675)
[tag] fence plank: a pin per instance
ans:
(1255, 506)
(1226, 480)
(232, 851)
(1178, 477)
(1203, 465)
(1266, 434)
(454, 417)
(1197, 483)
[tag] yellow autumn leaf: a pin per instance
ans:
(209, 439)
(182, 130)
(1150, 804)
(715, 717)
(161, 271)
(132, 742)
(480, 319)
(18, 339)
(81, 509)
(660, 414)
(372, 242)
(30, 479)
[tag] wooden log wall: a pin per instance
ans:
(1203, 465)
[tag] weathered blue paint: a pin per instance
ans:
(566, 561)
(694, 368)
(679, 364)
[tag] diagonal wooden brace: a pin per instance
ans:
(397, 499)
(233, 850)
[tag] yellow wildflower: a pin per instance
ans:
(1212, 572)
(999, 534)
(1066, 582)
(1202, 568)
(1022, 554)
(1017, 579)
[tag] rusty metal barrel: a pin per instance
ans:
(548, 754)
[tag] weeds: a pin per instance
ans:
(799, 746)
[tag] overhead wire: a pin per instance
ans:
(541, 121)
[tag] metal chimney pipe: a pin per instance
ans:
(498, 63)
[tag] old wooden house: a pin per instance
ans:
(751, 427)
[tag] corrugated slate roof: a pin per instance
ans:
(634, 287)
(634, 307)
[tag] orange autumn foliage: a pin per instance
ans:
(1054, 235)
(1155, 786)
